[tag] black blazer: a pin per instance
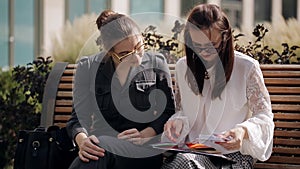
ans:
(101, 106)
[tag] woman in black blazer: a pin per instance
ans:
(122, 98)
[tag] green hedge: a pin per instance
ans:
(21, 94)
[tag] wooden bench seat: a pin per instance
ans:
(282, 81)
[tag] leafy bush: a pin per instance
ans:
(20, 102)
(281, 31)
(172, 49)
(263, 53)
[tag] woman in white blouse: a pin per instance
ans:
(221, 97)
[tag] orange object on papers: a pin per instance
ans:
(197, 146)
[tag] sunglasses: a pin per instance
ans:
(210, 49)
(138, 50)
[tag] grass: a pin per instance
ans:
(67, 44)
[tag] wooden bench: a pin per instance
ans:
(282, 81)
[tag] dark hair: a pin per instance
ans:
(103, 17)
(114, 27)
(207, 16)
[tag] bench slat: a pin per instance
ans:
(72, 66)
(286, 150)
(68, 86)
(283, 90)
(272, 67)
(285, 107)
(287, 116)
(69, 72)
(63, 109)
(65, 94)
(289, 142)
(280, 73)
(172, 73)
(282, 81)
(60, 124)
(285, 98)
(284, 159)
(276, 166)
(62, 118)
(63, 103)
(284, 133)
(293, 125)
(69, 79)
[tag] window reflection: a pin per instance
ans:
(4, 33)
(24, 32)
(263, 10)
(289, 9)
(186, 6)
(233, 9)
(155, 6)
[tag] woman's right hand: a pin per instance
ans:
(173, 128)
(88, 148)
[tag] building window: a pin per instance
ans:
(24, 31)
(186, 6)
(17, 20)
(289, 9)
(142, 8)
(262, 10)
(233, 9)
(4, 33)
(76, 8)
(97, 6)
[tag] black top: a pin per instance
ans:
(103, 107)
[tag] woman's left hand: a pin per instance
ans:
(237, 136)
(132, 135)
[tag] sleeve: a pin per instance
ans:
(260, 125)
(74, 127)
(81, 120)
(164, 83)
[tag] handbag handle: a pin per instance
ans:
(40, 128)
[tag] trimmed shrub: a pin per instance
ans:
(20, 103)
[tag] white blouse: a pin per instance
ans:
(245, 102)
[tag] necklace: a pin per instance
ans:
(206, 75)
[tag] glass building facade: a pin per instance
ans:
(139, 7)
(289, 8)
(4, 33)
(17, 25)
(21, 21)
(76, 8)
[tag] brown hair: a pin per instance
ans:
(114, 27)
(103, 17)
(207, 16)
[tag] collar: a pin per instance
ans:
(106, 66)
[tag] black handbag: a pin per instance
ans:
(44, 149)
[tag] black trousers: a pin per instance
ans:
(121, 154)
